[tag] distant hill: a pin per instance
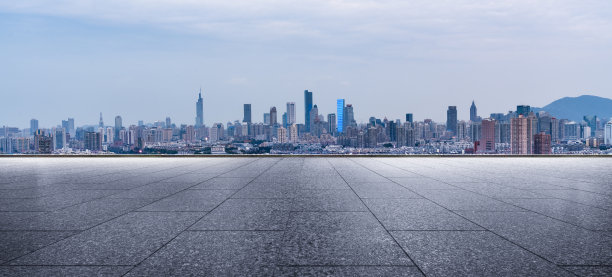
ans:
(574, 108)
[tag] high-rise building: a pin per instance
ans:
(307, 108)
(541, 143)
(314, 118)
(608, 133)
(247, 113)
(349, 116)
(33, 126)
(199, 121)
(409, 117)
(523, 110)
(118, 126)
(592, 123)
(293, 133)
(101, 123)
(266, 118)
(59, 138)
(281, 134)
(521, 135)
(68, 125)
(93, 141)
(473, 112)
(331, 120)
(168, 122)
(340, 112)
(291, 113)
(451, 119)
(273, 117)
(285, 120)
(487, 137)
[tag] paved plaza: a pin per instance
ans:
(315, 216)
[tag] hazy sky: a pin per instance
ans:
(145, 60)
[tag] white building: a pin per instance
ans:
(608, 133)
(282, 135)
(293, 133)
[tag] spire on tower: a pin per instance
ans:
(101, 124)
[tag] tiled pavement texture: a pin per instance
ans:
(316, 216)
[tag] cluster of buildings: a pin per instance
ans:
(522, 131)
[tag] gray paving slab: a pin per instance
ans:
(417, 214)
(382, 190)
(247, 214)
(348, 271)
(590, 270)
(18, 243)
(126, 240)
(556, 241)
(61, 271)
(215, 253)
(445, 253)
(339, 238)
(466, 200)
(331, 200)
(190, 201)
(224, 183)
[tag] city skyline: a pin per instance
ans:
(145, 61)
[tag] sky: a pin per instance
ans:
(146, 60)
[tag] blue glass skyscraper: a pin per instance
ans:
(340, 114)
(307, 108)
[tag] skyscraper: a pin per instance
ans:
(409, 117)
(314, 116)
(307, 108)
(451, 119)
(487, 137)
(348, 117)
(273, 118)
(200, 111)
(118, 126)
(331, 120)
(523, 110)
(521, 135)
(266, 118)
(101, 123)
(168, 122)
(291, 113)
(247, 113)
(473, 112)
(33, 126)
(608, 133)
(340, 112)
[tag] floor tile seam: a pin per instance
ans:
(487, 229)
(200, 218)
(413, 261)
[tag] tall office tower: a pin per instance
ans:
(340, 113)
(554, 129)
(314, 118)
(307, 108)
(285, 124)
(391, 130)
(118, 126)
(168, 122)
(523, 110)
(273, 118)
(592, 123)
(409, 117)
(461, 130)
(400, 139)
(293, 133)
(59, 138)
(608, 133)
(544, 124)
(541, 143)
(473, 112)
(101, 123)
(348, 117)
(475, 131)
(291, 113)
(33, 126)
(451, 119)
(266, 118)
(140, 123)
(371, 137)
(93, 141)
(487, 137)
(331, 121)
(199, 121)
(520, 135)
(247, 113)
(281, 134)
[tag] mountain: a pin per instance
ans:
(574, 108)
